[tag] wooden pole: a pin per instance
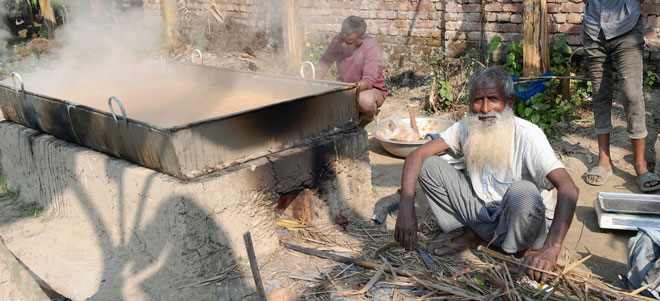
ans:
(292, 34)
(49, 22)
(247, 237)
(344, 259)
(20, 276)
(169, 11)
(536, 55)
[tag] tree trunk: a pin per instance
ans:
(536, 55)
(49, 22)
(169, 11)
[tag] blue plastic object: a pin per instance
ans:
(525, 91)
(431, 136)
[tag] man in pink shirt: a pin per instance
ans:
(359, 60)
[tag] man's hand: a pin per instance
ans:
(544, 259)
(405, 231)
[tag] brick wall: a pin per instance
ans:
(413, 33)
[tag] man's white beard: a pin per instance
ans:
(489, 142)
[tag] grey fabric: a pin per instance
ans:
(624, 52)
(518, 219)
(644, 262)
(614, 17)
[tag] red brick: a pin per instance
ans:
(574, 18)
(559, 18)
(572, 29)
(474, 36)
(649, 9)
(493, 7)
(503, 17)
(451, 7)
(462, 17)
(455, 35)
(491, 17)
(512, 27)
(474, 17)
(495, 27)
(653, 22)
(462, 26)
(516, 18)
(514, 8)
(391, 15)
(572, 7)
(574, 40)
(552, 28)
(553, 8)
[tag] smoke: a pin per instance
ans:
(6, 12)
(101, 42)
(97, 37)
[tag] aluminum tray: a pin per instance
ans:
(625, 221)
(199, 147)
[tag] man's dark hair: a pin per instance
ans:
(354, 24)
(497, 74)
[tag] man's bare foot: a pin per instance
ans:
(469, 240)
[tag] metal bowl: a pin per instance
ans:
(426, 125)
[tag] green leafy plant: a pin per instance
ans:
(33, 209)
(514, 59)
(5, 190)
(548, 108)
(494, 43)
(443, 88)
(19, 45)
(561, 56)
(649, 80)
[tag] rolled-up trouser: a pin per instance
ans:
(518, 220)
(624, 52)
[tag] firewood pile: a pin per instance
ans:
(371, 266)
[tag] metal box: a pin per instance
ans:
(311, 109)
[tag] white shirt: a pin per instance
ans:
(531, 159)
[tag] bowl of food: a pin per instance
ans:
(398, 138)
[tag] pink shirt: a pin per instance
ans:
(365, 64)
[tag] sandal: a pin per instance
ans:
(597, 171)
(647, 178)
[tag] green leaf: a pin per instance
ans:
(528, 111)
(535, 118)
(494, 42)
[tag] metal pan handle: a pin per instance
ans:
(302, 69)
(121, 107)
(15, 75)
(199, 53)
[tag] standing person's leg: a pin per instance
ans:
(368, 102)
(627, 55)
(599, 68)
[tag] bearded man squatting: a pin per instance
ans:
(505, 196)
